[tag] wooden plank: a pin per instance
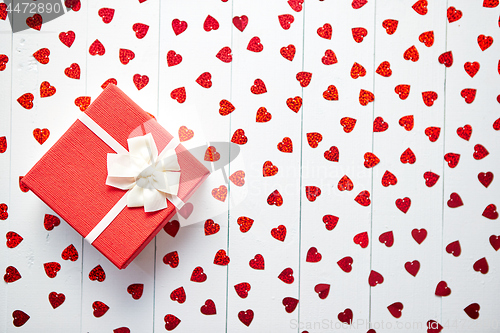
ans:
(466, 224)
(176, 292)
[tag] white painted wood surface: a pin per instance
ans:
(305, 166)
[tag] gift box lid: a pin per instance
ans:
(70, 178)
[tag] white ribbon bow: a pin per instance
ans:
(149, 178)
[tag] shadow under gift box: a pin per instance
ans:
(71, 177)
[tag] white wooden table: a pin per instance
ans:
(336, 256)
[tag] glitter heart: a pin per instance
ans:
(288, 52)
(172, 227)
(495, 242)
(126, 55)
(220, 193)
(239, 137)
(56, 299)
(4, 59)
(472, 310)
(82, 102)
(11, 274)
(358, 34)
(185, 133)
(140, 81)
(433, 133)
(225, 55)
(245, 223)
(225, 107)
(312, 192)
(3, 212)
(403, 91)
(198, 275)
(411, 54)
(13, 239)
(238, 178)
(211, 227)
(384, 69)
(365, 97)
(345, 184)
(345, 316)
(262, 115)
(285, 145)
(242, 289)
(407, 122)
(433, 327)
(396, 309)
(430, 178)
(454, 248)
(465, 132)
(294, 104)
(412, 267)
(375, 278)
(171, 259)
(269, 169)
(485, 178)
(389, 179)
(325, 31)
(452, 159)
(178, 295)
(205, 80)
(379, 125)
(122, 329)
(46, 90)
(96, 48)
(210, 24)
(179, 26)
(427, 38)
(345, 264)
(304, 79)
(240, 22)
(257, 262)
(490, 3)
(322, 289)
(348, 124)
(275, 198)
(286, 21)
(331, 93)
(469, 95)
(446, 59)
(70, 253)
(3, 11)
(42, 56)
(20, 318)
(255, 45)
(179, 94)
(221, 258)
(408, 157)
(279, 233)
(171, 322)
(246, 317)
(208, 308)
(361, 239)
(313, 139)
(357, 4)
(387, 238)
(471, 68)
(484, 42)
(258, 87)
(370, 160)
(481, 266)
(140, 30)
(490, 212)
(420, 7)
(109, 81)
(106, 14)
(286, 275)
(136, 290)
(41, 135)
(75, 5)
(50, 221)
(363, 198)
(357, 70)
(480, 152)
(419, 235)
(26, 101)
(35, 22)
(211, 154)
(97, 274)
(22, 187)
(313, 255)
(173, 58)
(290, 304)
(330, 222)
(403, 204)
(453, 14)
(329, 58)
(390, 26)
(332, 154)
(442, 289)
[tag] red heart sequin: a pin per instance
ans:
(452, 159)
(210, 24)
(446, 59)
(429, 97)
(442, 289)
(453, 14)
(13, 239)
(263, 116)
(290, 304)
(465, 132)
(480, 152)
(171, 322)
(242, 289)
(389, 179)
(35, 22)
(67, 38)
(471, 68)
(56, 299)
(46, 90)
(106, 14)
(255, 45)
(96, 48)
(329, 58)
(357, 4)
(490, 212)
(345, 316)
(332, 154)
(371, 160)
(171, 259)
(205, 80)
(279, 233)
(365, 97)
(70, 253)
(100, 309)
(304, 78)
(179, 26)
(50, 221)
(172, 227)
(140, 30)
(211, 154)
(427, 38)
(331, 93)
(221, 258)
(454, 248)
(322, 289)
(126, 55)
(135, 290)
(109, 81)
(140, 81)
(26, 101)
(225, 55)
(375, 278)
(42, 56)
(454, 201)
(312, 192)
(407, 122)
(469, 95)
(198, 275)
(4, 59)
(285, 145)
(245, 223)
(240, 22)
(330, 222)
(239, 137)
(484, 42)
(345, 184)
(258, 87)
(257, 262)
(275, 198)
(20, 318)
(286, 275)
(485, 178)
(286, 21)
(387, 238)
(83, 102)
(363, 198)
(220, 193)
(495, 242)
(325, 31)
(396, 309)
(430, 178)
(294, 104)
(403, 204)
(3, 210)
(419, 235)
(384, 69)
(361, 239)
(51, 269)
(246, 317)
(313, 255)
(408, 157)
(433, 133)
(97, 273)
(348, 124)
(472, 310)
(41, 135)
(269, 169)
(225, 107)
(490, 3)
(314, 138)
(208, 308)
(345, 264)
(379, 125)
(411, 54)
(403, 91)
(358, 34)
(288, 52)
(178, 295)
(185, 133)
(412, 267)
(481, 266)
(420, 7)
(357, 71)
(11, 274)
(173, 58)
(390, 26)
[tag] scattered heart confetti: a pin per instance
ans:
(346, 316)
(288, 52)
(275, 198)
(484, 42)
(220, 193)
(198, 275)
(286, 275)
(42, 56)
(322, 290)
(412, 267)
(453, 14)
(325, 31)
(446, 59)
(239, 137)
(20, 318)
(330, 222)
(26, 101)
(329, 58)
(179, 26)
(70, 253)
(371, 160)
(83, 102)
(408, 157)
(471, 68)
(171, 322)
(387, 238)
(490, 212)
(286, 21)
(242, 289)
(35, 22)
(136, 290)
(389, 179)
(419, 235)
(96, 48)
(294, 104)
(50, 221)
(313, 255)
(46, 90)
(140, 81)
(485, 178)
(56, 299)
(480, 152)
(106, 14)
(290, 304)
(454, 248)
(427, 38)
(365, 97)
(246, 317)
(390, 26)
(97, 274)
(396, 309)
(454, 201)
(221, 258)
(279, 233)
(468, 95)
(345, 264)
(312, 192)
(358, 34)
(348, 124)
(11, 274)
(178, 295)
(173, 58)
(285, 145)
(13, 239)
(140, 30)
(225, 55)
(263, 116)
(411, 54)
(245, 223)
(442, 289)
(41, 135)
(255, 45)
(363, 198)
(420, 7)
(257, 262)
(375, 278)
(403, 204)
(126, 55)
(185, 133)
(430, 178)
(345, 184)
(472, 310)
(171, 259)
(240, 22)
(361, 239)
(208, 308)
(172, 227)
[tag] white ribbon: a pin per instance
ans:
(149, 178)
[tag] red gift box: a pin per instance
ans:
(71, 177)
